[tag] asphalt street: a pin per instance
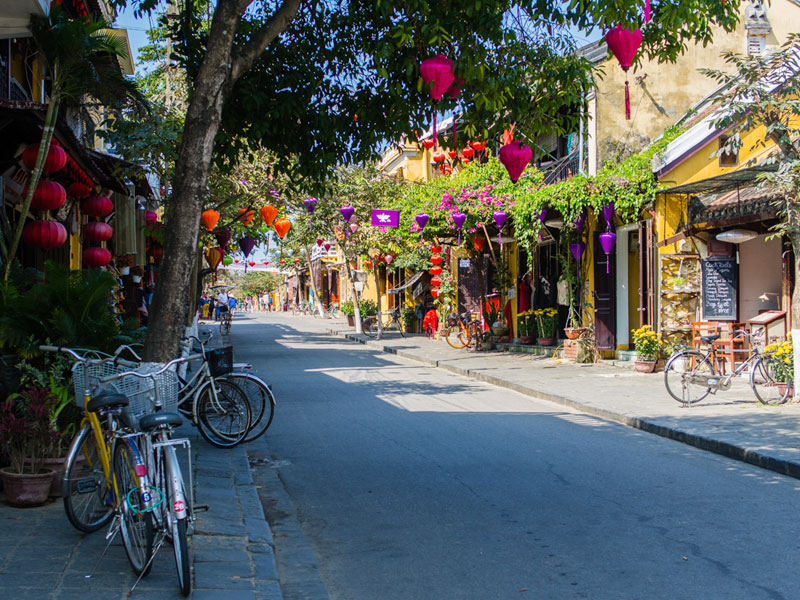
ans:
(410, 482)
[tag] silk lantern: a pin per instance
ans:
(319, 242)
(478, 146)
(79, 190)
(479, 243)
(246, 216)
(310, 204)
(500, 219)
(327, 247)
(436, 259)
(459, 219)
(438, 71)
(213, 257)
(210, 218)
(624, 43)
(428, 144)
(436, 249)
(515, 157)
(55, 161)
(607, 241)
(266, 262)
(268, 213)
(236, 260)
(97, 231)
(150, 218)
(246, 243)
(577, 249)
(252, 263)
(282, 227)
(49, 195)
(388, 258)
(422, 220)
(227, 260)
(97, 206)
(436, 281)
(435, 292)
(608, 214)
(95, 257)
(223, 236)
(437, 270)
(45, 235)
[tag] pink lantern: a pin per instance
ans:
(319, 242)
(327, 247)
(624, 43)
(439, 72)
(607, 241)
(95, 257)
(353, 227)
(459, 218)
(97, 231)
(388, 258)
(515, 157)
(150, 218)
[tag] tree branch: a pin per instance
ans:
(244, 58)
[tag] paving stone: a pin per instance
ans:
(264, 566)
(268, 590)
(224, 575)
(224, 595)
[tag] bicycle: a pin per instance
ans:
(225, 320)
(370, 324)
(691, 375)
(463, 331)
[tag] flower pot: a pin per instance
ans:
(124, 270)
(782, 389)
(645, 366)
(26, 489)
(351, 320)
(57, 465)
(137, 278)
(546, 341)
(526, 339)
(573, 333)
(499, 329)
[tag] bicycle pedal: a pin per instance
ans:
(200, 508)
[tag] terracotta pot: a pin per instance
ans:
(526, 339)
(782, 389)
(57, 465)
(499, 329)
(645, 366)
(26, 490)
(573, 333)
(546, 341)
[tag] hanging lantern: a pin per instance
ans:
(97, 206)
(515, 157)
(436, 281)
(310, 204)
(347, 212)
(436, 249)
(500, 219)
(49, 195)
(368, 264)
(541, 215)
(459, 219)
(210, 218)
(246, 243)
(327, 246)
(437, 270)
(282, 261)
(353, 227)
(223, 236)
(427, 143)
(435, 292)
(79, 190)
(438, 71)
(252, 263)
(579, 220)
(227, 260)
(479, 243)
(214, 257)
(282, 227)
(97, 231)
(468, 152)
(150, 218)
(55, 161)
(268, 213)
(436, 259)
(95, 257)
(296, 260)
(319, 242)
(266, 262)
(236, 260)
(439, 157)
(388, 258)
(452, 153)
(422, 220)
(478, 146)
(624, 43)
(45, 235)
(246, 216)
(608, 214)
(577, 249)
(607, 241)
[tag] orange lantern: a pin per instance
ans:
(210, 218)
(246, 216)
(282, 227)
(436, 259)
(479, 243)
(268, 213)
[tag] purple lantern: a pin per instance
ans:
(223, 236)
(347, 212)
(515, 157)
(310, 204)
(500, 219)
(577, 249)
(459, 218)
(607, 241)
(422, 220)
(541, 215)
(608, 214)
(246, 243)
(579, 220)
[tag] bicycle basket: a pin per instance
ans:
(220, 361)
(452, 319)
(87, 375)
(142, 393)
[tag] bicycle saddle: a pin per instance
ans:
(709, 338)
(148, 422)
(465, 317)
(107, 400)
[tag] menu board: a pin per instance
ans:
(719, 288)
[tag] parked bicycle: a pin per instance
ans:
(691, 375)
(463, 331)
(392, 323)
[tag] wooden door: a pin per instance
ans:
(646, 298)
(469, 285)
(605, 299)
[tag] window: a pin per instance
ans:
(727, 158)
(756, 44)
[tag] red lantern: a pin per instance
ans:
(97, 206)
(624, 43)
(78, 190)
(452, 153)
(282, 261)
(478, 146)
(49, 195)
(96, 257)
(246, 216)
(296, 260)
(44, 234)
(55, 161)
(438, 71)
(436, 249)
(282, 227)
(268, 213)
(468, 152)
(435, 292)
(439, 157)
(368, 264)
(436, 270)
(266, 262)
(437, 260)
(236, 260)
(156, 251)
(252, 263)
(97, 231)
(427, 143)
(479, 244)
(436, 281)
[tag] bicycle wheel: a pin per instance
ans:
(176, 527)
(225, 326)
(764, 378)
(457, 337)
(136, 525)
(370, 327)
(262, 403)
(223, 418)
(686, 376)
(88, 501)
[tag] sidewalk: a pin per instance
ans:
(43, 556)
(730, 423)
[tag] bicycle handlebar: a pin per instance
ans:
(152, 374)
(113, 358)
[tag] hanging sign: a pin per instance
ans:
(385, 218)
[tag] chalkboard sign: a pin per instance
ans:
(719, 288)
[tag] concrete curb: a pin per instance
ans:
(751, 456)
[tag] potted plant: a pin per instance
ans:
(349, 311)
(409, 316)
(27, 432)
(526, 325)
(782, 364)
(546, 322)
(648, 344)
(136, 274)
(124, 263)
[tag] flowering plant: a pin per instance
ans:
(782, 354)
(546, 320)
(447, 295)
(647, 342)
(526, 324)
(27, 430)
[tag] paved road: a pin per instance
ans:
(414, 483)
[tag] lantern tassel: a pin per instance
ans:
(434, 128)
(607, 267)
(646, 11)
(627, 101)
(454, 132)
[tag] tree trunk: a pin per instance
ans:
(794, 236)
(313, 282)
(357, 312)
(196, 289)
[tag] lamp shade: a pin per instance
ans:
(96, 257)
(45, 235)
(437, 70)
(736, 236)
(515, 157)
(97, 231)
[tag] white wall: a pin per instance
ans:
(759, 274)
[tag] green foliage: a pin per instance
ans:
(367, 308)
(409, 315)
(347, 308)
(255, 283)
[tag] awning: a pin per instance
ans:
(722, 183)
(416, 277)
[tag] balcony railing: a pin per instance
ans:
(561, 169)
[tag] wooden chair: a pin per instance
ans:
(703, 328)
(732, 348)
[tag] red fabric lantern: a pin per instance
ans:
(438, 71)
(478, 146)
(439, 157)
(97, 206)
(97, 231)
(624, 43)
(268, 213)
(468, 152)
(436, 270)
(96, 257)
(436, 249)
(252, 263)
(282, 227)
(479, 244)
(55, 161)
(282, 261)
(44, 234)
(236, 260)
(436, 259)
(435, 292)
(49, 195)
(78, 190)
(210, 218)
(455, 88)
(515, 157)
(266, 262)
(427, 143)
(246, 216)
(452, 153)
(436, 281)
